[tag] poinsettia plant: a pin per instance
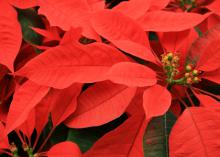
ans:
(109, 78)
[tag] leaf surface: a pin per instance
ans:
(4, 144)
(158, 4)
(133, 8)
(123, 32)
(124, 141)
(205, 51)
(169, 21)
(28, 126)
(10, 35)
(68, 98)
(132, 74)
(64, 149)
(213, 76)
(215, 7)
(61, 66)
(68, 13)
(24, 100)
(23, 4)
(157, 100)
(103, 102)
(157, 135)
(196, 133)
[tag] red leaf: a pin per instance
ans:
(68, 13)
(158, 4)
(123, 32)
(132, 74)
(124, 141)
(207, 101)
(96, 4)
(157, 100)
(4, 144)
(51, 34)
(68, 98)
(28, 126)
(212, 75)
(136, 105)
(133, 8)
(42, 111)
(215, 7)
(196, 133)
(64, 149)
(170, 21)
(100, 104)
(10, 34)
(72, 35)
(206, 50)
(61, 66)
(172, 41)
(24, 100)
(23, 4)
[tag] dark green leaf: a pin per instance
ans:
(156, 136)
(29, 18)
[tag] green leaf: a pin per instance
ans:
(155, 141)
(29, 18)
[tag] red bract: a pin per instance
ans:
(170, 21)
(64, 65)
(101, 97)
(25, 99)
(98, 78)
(196, 125)
(10, 35)
(120, 29)
(64, 149)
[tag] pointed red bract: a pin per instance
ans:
(103, 102)
(10, 35)
(72, 35)
(49, 34)
(123, 32)
(124, 141)
(61, 66)
(133, 8)
(158, 4)
(215, 7)
(207, 101)
(68, 13)
(196, 133)
(157, 100)
(23, 4)
(4, 144)
(24, 100)
(165, 21)
(42, 111)
(28, 126)
(213, 76)
(173, 41)
(205, 51)
(132, 74)
(64, 149)
(64, 103)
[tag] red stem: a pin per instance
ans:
(20, 137)
(36, 141)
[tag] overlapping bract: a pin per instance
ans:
(99, 61)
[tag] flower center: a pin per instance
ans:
(188, 76)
